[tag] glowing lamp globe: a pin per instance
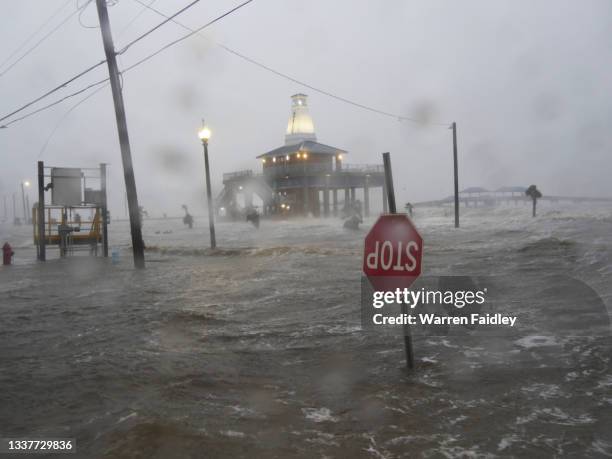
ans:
(204, 134)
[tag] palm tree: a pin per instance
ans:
(534, 194)
(187, 219)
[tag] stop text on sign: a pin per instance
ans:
(393, 250)
(398, 256)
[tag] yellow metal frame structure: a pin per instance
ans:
(52, 235)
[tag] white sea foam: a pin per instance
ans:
(319, 414)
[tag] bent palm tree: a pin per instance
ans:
(534, 194)
(187, 219)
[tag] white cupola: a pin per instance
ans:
(300, 126)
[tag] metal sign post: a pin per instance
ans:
(393, 252)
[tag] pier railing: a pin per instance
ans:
(363, 168)
(237, 174)
(296, 170)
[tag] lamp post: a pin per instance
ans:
(24, 184)
(204, 135)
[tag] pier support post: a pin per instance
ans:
(326, 198)
(335, 201)
(248, 199)
(353, 196)
(316, 202)
(346, 198)
(306, 201)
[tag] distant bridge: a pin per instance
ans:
(479, 197)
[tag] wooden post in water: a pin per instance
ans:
(335, 201)
(326, 196)
(393, 210)
(456, 174)
(104, 210)
(40, 216)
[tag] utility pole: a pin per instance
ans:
(456, 166)
(124, 141)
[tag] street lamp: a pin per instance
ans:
(24, 184)
(204, 135)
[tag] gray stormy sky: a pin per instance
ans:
(527, 82)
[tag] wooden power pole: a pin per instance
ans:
(124, 141)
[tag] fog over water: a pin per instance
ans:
(528, 86)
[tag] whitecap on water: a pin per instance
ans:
(532, 341)
(125, 418)
(232, 433)
(319, 414)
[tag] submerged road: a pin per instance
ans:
(257, 350)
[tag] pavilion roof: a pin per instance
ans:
(307, 146)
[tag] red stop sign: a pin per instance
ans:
(392, 253)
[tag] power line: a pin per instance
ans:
(82, 10)
(184, 37)
(52, 104)
(150, 31)
(65, 115)
(39, 42)
(136, 64)
(88, 96)
(292, 79)
(57, 88)
(32, 35)
(127, 26)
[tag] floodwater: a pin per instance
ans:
(257, 350)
